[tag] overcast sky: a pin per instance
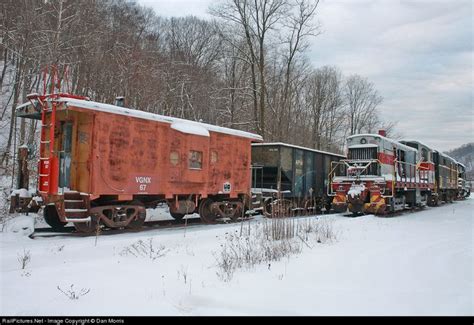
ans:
(418, 53)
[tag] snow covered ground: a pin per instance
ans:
(414, 264)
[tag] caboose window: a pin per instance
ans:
(213, 157)
(195, 159)
(174, 158)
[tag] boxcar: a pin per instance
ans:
(291, 173)
(105, 164)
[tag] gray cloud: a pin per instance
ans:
(419, 55)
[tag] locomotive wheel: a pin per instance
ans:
(51, 217)
(87, 227)
(205, 212)
(177, 216)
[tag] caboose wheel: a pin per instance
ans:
(206, 213)
(51, 217)
(87, 227)
(177, 216)
(138, 222)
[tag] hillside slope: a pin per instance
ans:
(465, 155)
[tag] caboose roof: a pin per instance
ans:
(186, 126)
(394, 142)
(297, 147)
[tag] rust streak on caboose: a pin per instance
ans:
(106, 164)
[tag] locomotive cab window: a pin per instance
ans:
(425, 155)
(195, 159)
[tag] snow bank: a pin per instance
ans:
(413, 264)
(22, 192)
(20, 225)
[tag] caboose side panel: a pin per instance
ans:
(229, 168)
(127, 154)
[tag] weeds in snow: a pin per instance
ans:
(184, 273)
(145, 249)
(72, 294)
(269, 241)
(24, 258)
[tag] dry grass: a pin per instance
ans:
(268, 241)
(145, 249)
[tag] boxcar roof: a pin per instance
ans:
(297, 147)
(186, 126)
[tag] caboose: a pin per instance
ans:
(105, 164)
(382, 175)
(296, 176)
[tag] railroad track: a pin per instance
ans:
(170, 224)
(70, 231)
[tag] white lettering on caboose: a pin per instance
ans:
(143, 180)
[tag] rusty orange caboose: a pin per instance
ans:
(105, 164)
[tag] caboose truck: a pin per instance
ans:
(381, 175)
(105, 164)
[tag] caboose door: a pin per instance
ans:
(65, 155)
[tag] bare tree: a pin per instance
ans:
(362, 101)
(255, 19)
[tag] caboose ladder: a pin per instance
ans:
(47, 162)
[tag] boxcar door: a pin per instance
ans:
(65, 155)
(298, 180)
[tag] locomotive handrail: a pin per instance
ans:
(331, 176)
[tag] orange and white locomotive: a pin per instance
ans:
(382, 175)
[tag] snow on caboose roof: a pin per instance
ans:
(182, 125)
(401, 145)
(297, 147)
